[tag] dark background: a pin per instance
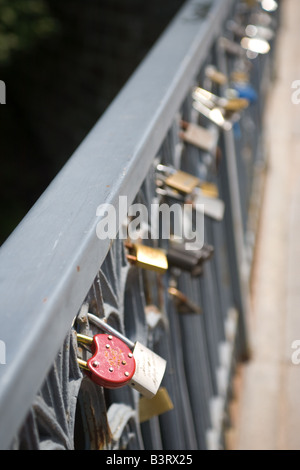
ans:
(63, 61)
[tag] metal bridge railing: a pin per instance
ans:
(54, 266)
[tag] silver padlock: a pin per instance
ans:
(213, 207)
(150, 367)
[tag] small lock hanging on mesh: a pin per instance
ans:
(112, 364)
(149, 366)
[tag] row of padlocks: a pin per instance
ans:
(153, 349)
(189, 322)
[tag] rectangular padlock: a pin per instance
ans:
(155, 406)
(177, 180)
(149, 372)
(198, 136)
(212, 207)
(149, 366)
(204, 200)
(215, 115)
(182, 182)
(147, 257)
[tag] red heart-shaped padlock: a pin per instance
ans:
(112, 364)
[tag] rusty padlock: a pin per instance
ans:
(112, 364)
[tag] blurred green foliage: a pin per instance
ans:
(22, 24)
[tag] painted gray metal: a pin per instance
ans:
(54, 263)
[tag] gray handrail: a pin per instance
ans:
(53, 256)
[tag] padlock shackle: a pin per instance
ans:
(169, 170)
(109, 329)
(84, 339)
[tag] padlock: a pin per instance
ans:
(147, 257)
(224, 114)
(232, 47)
(161, 403)
(215, 115)
(251, 30)
(149, 366)
(188, 260)
(259, 31)
(211, 100)
(204, 199)
(183, 303)
(255, 46)
(198, 136)
(215, 75)
(183, 183)
(238, 76)
(112, 364)
(210, 204)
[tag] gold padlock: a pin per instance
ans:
(235, 104)
(240, 76)
(156, 406)
(182, 182)
(215, 75)
(209, 190)
(147, 257)
(227, 104)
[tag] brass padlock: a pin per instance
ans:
(182, 182)
(147, 257)
(204, 199)
(209, 189)
(240, 76)
(210, 100)
(215, 75)
(155, 406)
